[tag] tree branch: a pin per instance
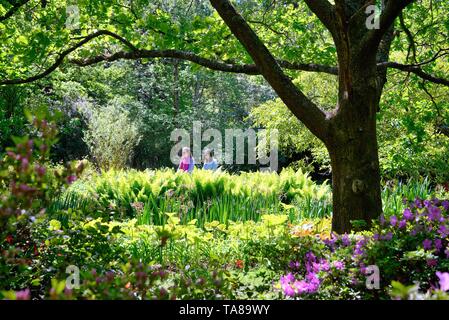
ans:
(411, 40)
(249, 69)
(415, 70)
(64, 54)
(302, 107)
(324, 11)
(16, 6)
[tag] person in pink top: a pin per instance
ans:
(187, 162)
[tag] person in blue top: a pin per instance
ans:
(210, 163)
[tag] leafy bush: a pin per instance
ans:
(111, 136)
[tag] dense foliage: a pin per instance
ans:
(166, 235)
(87, 108)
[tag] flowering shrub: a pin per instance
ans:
(28, 187)
(440, 292)
(409, 248)
(145, 282)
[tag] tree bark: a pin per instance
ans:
(352, 141)
(356, 193)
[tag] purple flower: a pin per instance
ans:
(310, 256)
(345, 240)
(434, 214)
(443, 231)
(25, 163)
(331, 241)
(393, 221)
(402, 224)
(324, 265)
(339, 265)
(388, 236)
(418, 203)
(294, 265)
(382, 219)
(376, 237)
(438, 244)
(445, 205)
(288, 290)
(287, 279)
(408, 215)
(40, 170)
(427, 244)
(362, 268)
(444, 280)
(302, 286)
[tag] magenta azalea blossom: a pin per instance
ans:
(71, 179)
(23, 294)
(288, 290)
(339, 265)
(302, 286)
(432, 262)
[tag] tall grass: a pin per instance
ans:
(207, 196)
(204, 195)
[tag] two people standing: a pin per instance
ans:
(187, 163)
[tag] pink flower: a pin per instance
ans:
(71, 179)
(23, 294)
(339, 265)
(40, 170)
(432, 262)
(444, 280)
(288, 290)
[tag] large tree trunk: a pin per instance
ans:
(355, 176)
(353, 148)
